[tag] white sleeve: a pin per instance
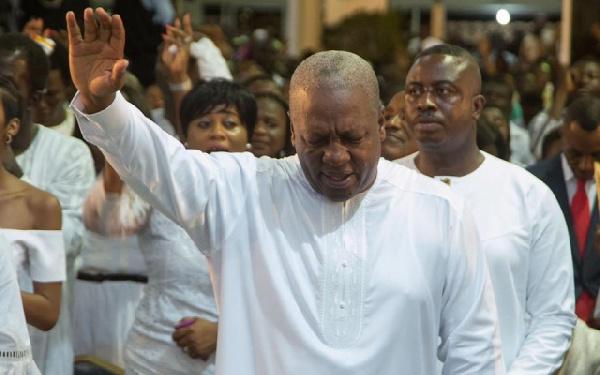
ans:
(204, 193)
(550, 294)
(209, 60)
(469, 331)
(46, 252)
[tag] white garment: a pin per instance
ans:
(103, 312)
(519, 146)
(209, 60)
(67, 127)
(571, 184)
(62, 166)
(538, 128)
(38, 256)
(15, 347)
(305, 285)
(526, 241)
(178, 282)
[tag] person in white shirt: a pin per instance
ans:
(522, 230)
(333, 261)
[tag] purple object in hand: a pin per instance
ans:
(185, 323)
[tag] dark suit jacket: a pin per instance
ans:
(586, 270)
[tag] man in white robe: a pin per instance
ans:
(333, 261)
(521, 226)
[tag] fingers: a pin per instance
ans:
(117, 75)
(181, 334)
(73, 30)
(117, 40)
(90, 25)
(105, 25)
(187, 24)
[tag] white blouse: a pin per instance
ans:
(15, 348)
(305, 285)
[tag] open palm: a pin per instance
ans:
(96, 58)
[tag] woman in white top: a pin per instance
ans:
(30, 219)
(15, 349)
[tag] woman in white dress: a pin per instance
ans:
(30, 220)
(175, 328)
(15, 349)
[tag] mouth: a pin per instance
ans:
(336, 180)
(217, 148)
(260, 145)
(427, 125)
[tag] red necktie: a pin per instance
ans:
(580, 212)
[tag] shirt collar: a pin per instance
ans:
(567, 171)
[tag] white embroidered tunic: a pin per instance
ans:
(305, 285)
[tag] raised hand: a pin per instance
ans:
(96, 59)
(175, 54)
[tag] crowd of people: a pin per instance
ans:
(230, 216)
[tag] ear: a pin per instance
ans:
(381, 123)
(477, 105)
(13, 126)
(292, 133)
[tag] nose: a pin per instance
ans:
(336, 155)
(218, 132)
(586, 165)
(260, 128)
(426, 102)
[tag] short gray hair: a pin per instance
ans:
(336, 69)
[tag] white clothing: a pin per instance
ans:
(178, 282)
(305, 285)
(209, 60)
(38, 256)
(526, 241)
(519, 146)
(571, 184)
(62, 166)
(538, 128)
(15, 347)
(67, 127)
(103, 312)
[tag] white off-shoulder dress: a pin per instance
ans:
(15, 347)
(38, 256)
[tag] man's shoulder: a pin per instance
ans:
(543, 167)
(403, 178)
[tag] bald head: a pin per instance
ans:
(464, 61)
(335, 70)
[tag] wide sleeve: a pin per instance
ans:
(204, 193)
(46, 253)
(550, 295)
(209, 60)
(114, 215)
(469, 331)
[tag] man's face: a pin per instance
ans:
(442, 103)
(495, 116)
(581, 149)
(337, 134)
(498, 95)
(590, 76)
(49, 109)
(16, 68)
(398, 142)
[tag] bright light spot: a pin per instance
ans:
(503, 17)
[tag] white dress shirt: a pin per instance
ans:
(571, 184)
(526, 241)
(305, 285)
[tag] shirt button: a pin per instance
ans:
(342, 305)
(344, 264)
